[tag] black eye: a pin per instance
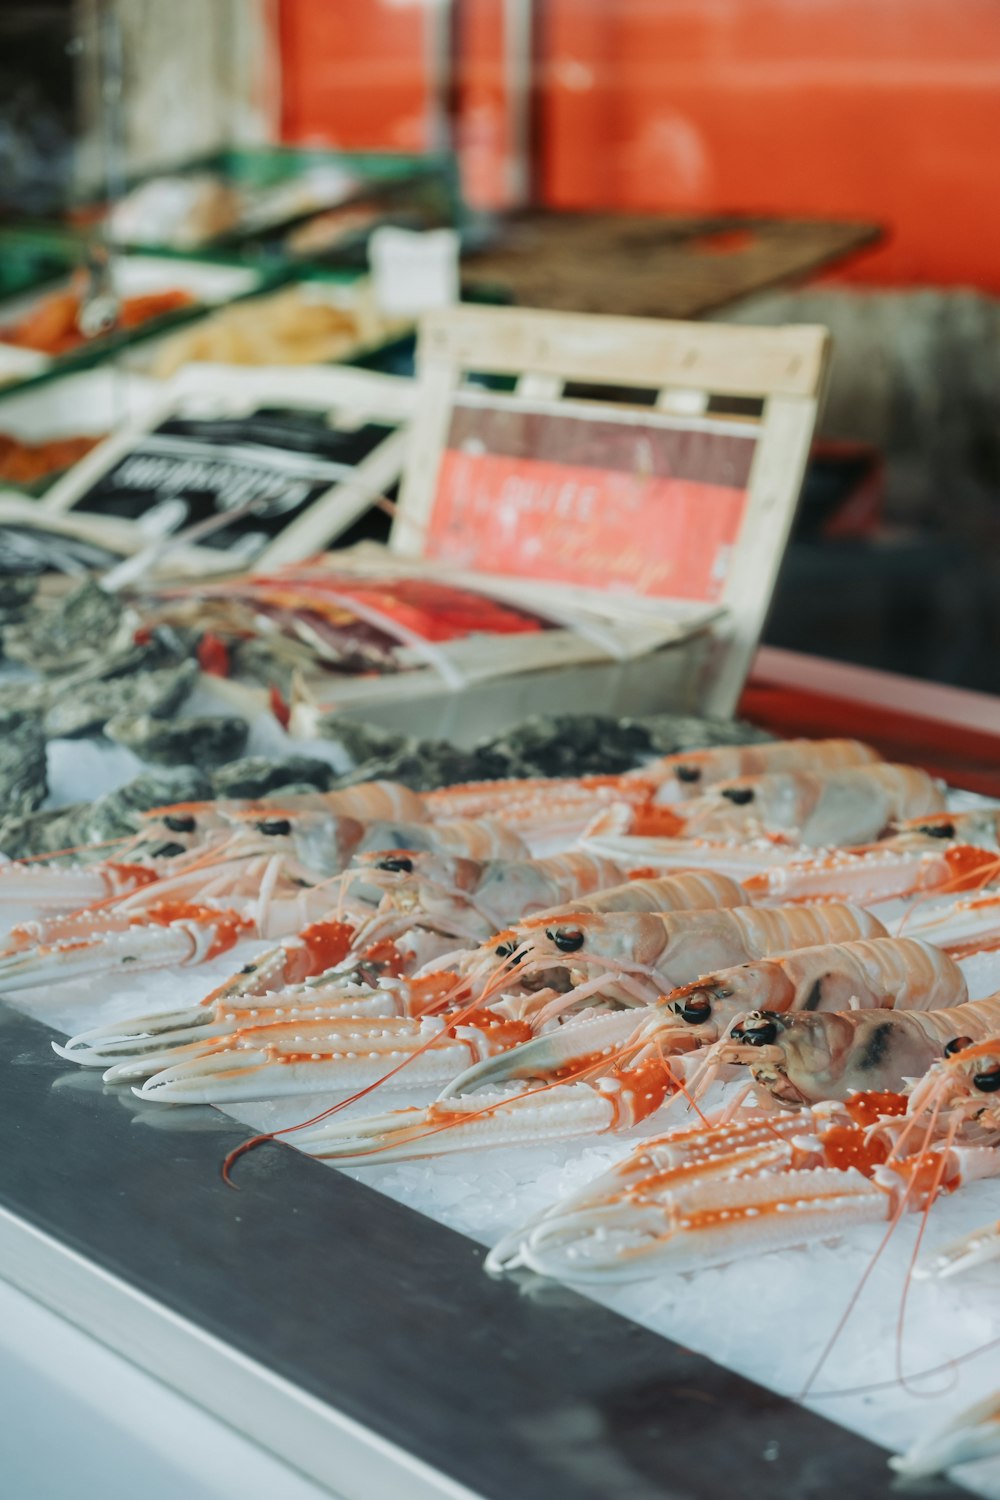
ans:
(938, 830)
(167, 851)
(507, 950)
(695, 1008)
(957, 1044)
(741, 795)
(397, 863)
(688, 773)
(274, 827)
(756, 1032)
(179, 822)
(988, 1081)
(566, 939)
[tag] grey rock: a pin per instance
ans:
(81, 709)
(43, 832)
(257, 775)
(671, 733)
(56, 637)
(115, 815)
(23, 784)
(24, 697)
(423, 766)
(164, 648)
(257, 661)
(16, 593)
(566, 745)
(204, 741)
(360, 742)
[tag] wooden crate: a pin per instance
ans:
(726, 415)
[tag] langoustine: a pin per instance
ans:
(807, 808)
(604, 1078)
(319, 1054)
(260, 876)
(802, 1059)
(764, 1179)
(368, 978)
(671, 778)
(167, 835)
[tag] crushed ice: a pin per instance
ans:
(774, 1336)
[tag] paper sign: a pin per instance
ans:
(279, 460)
(652, 506)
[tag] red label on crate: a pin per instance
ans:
(634, 507)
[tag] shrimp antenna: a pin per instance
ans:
(908, 1279)
(947, 1366)
(456, 1019)
(897, 1213)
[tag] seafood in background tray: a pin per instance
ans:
(313, 618)
(199, 740)
(23, 763)
(372, 983)
(305, 324)
(53, 324)
(613, 1071)
(23, 463)
(768, 1180)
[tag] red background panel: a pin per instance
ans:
(886, 110)
(355, 74)
(482, 127)
(599, 528)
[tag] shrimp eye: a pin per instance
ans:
(274, 827)
(688, 773)
(179, 822)
(167, 851)
(506, 950)
(566, 939)
(957, 1044)
(741, 795)
(695, 1009)
(988, 1082)
(757, 1033)
(938, 830)
(398, 863)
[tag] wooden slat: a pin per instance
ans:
(722, 359)
(775, 481)
(668, 266)
(784, 368)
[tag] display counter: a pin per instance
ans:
(344, 1335)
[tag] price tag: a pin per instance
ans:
(413, 273)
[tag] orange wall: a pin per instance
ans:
(887, 110)
(880, 109)
(355, 74)
(358, 73)
(483, 136)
